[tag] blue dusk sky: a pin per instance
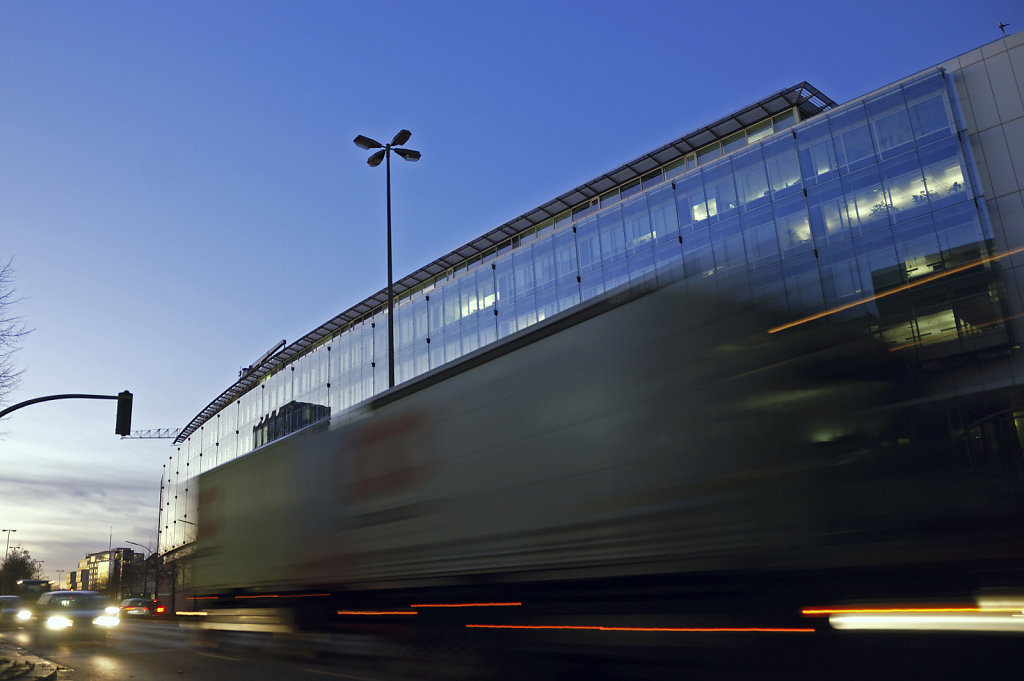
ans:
(179, 189)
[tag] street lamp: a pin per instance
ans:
(145, 567)
(8, 550)
(384, 154)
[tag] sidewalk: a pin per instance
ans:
(20, 665)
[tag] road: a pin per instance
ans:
(162, 651)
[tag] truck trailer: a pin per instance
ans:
(650, 460)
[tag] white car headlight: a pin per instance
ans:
(106, 621)
(112, 610)
(58, 622)
(24, 615)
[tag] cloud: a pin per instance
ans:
(61, 515)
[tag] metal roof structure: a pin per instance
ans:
(807, 99)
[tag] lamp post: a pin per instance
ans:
(145, 566)
(139, 545)
(400, 138)
(8, 550)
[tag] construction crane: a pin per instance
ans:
(153, 434)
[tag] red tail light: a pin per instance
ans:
(159, 608)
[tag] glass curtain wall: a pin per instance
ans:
(839, 213)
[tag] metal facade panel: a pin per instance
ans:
(1014, 132)
(1004, 87)
(997, 158)
(979, 91)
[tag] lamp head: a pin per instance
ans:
(364, 142)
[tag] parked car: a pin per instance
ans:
(141, 607)
(61, 615)
(9, 607)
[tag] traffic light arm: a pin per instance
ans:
(124, 407)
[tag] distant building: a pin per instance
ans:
(901, 210)
(107, 571)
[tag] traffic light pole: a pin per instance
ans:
(124, 407)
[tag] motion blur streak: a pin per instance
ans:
(461, 605)
(377, 612)
(947, 335)
(981, 621)
(997, 602)
(284, 596)
(772, 630)
(897, 289)
(813, 612)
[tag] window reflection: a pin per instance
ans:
(588, 244)
(827, 210)
(720, 190)
(637, 222)
(891, 124)
(943, 173)
(751, 179)
(867, 207)
(783, 166)
(854, 146)
(692, 209)
(760, 239)
(793, 226)
(918, 246)
(930, 117)
(817, 153)
(904, 186)
(664, 223)
(613, 238)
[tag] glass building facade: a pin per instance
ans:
(871, 213)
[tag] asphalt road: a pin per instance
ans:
(162, 651)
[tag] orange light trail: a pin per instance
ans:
(821, 612)
(462, 605)
(892, 291)
(788, 630)
(377, 612)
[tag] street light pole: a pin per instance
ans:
(145, 567)
(391, 287)
(401, 137)
(8, 550)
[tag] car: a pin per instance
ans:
(141, 607)
(64, 615)
(9, 607)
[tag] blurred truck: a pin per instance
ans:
(614, 463)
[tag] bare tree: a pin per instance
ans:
(12, 331)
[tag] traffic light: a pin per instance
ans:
(123, 426)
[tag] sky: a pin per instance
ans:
(179, 189)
